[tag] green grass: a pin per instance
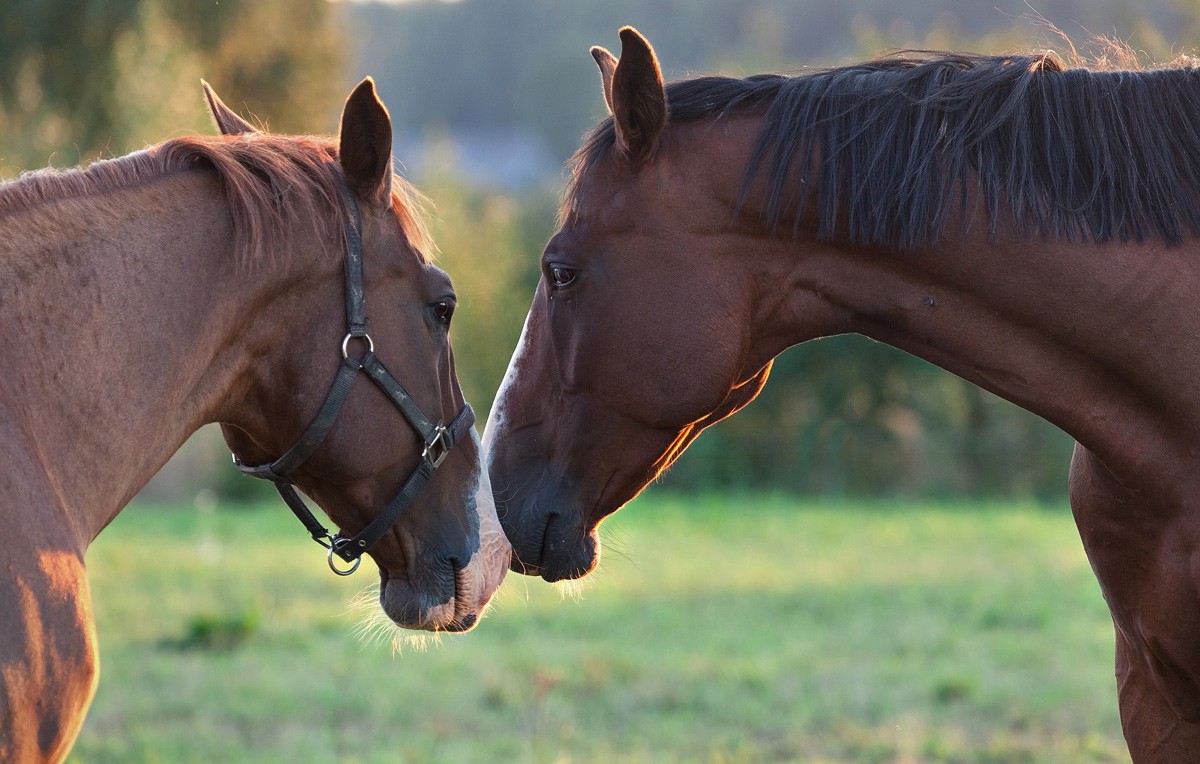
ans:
(723, 629)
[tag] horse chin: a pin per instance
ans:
(412, 609)
(582, 563)
(564, 555)
(458, 610)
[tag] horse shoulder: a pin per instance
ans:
(1145, 550)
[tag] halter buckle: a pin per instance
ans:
(438, 447)
(336, 543)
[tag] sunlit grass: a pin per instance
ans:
(719, 629)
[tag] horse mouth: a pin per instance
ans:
(561, 554)
(447, 596)
(453, 606)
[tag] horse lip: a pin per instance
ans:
(573, 559)
(545, 564)
(455, 614)
(466, 611)
(459, 625)
(517, 566)
(519, 562)
(568, 572)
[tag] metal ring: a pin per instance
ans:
(334, 568)
(437, 448)
(363, 336)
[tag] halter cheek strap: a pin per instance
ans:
(439, 439)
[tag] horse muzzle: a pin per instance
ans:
(440, 594)
(548, 544)
(453, 599)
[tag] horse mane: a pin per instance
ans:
(279, 188)
(894, 146)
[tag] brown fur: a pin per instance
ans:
(608, 67)
(279, 187)
(129, 322)
(636, 96)
(366, 147)
(1073, 295)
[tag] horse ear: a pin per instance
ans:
(365, 145)
(638, 99)
(227, 122)
(608, 66)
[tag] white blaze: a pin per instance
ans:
(495, 419)
(489, 564)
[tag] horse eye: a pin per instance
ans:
(561, 275)
(444, 311)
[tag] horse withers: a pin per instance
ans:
(226, 280)
(1029, 226)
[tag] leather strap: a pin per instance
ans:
(438, 440)
(314, 435)
(350, 548)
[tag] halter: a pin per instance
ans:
(439, 439)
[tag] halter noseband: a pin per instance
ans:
(439, 439)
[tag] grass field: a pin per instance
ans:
(722, 629)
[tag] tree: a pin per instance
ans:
(81, 79)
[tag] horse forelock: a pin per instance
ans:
(280, 189)
(892, 148)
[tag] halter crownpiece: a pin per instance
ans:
(438, 438)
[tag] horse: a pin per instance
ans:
(1030, 226)
(224, 280)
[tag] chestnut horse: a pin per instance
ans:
(1030, 227)
(213, 280)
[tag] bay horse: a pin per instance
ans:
(1031, 227)
(223, 280)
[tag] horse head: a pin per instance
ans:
(639, 336)
(396, 464)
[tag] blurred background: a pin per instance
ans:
(872, 563)
(489, 98)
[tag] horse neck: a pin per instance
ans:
(1086, 336)
(120, 312)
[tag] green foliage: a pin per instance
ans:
(80, 79)
(489, 242)
(217, 631)
(282, 59)
(57, 65)
(849, 417)
(721, 628)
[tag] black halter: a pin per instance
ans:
(439, 439)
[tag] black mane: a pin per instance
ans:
(894, 145)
